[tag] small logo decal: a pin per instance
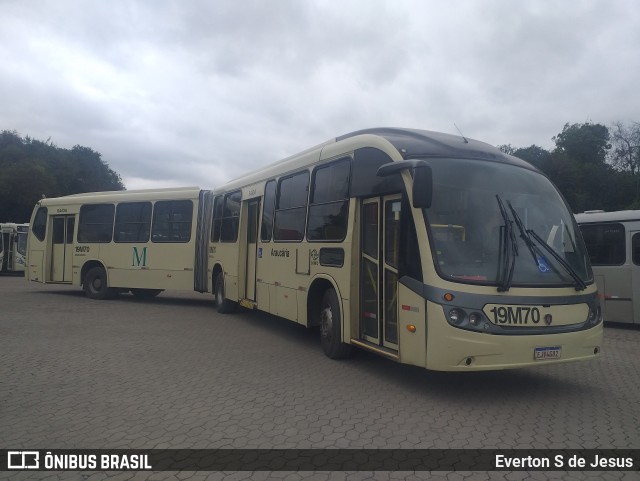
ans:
(548, 319)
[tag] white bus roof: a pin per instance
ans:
(125, 195)
(601, 216)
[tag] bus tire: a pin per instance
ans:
(224, 305)
(95, 284)
(331, 327)
(145, 293)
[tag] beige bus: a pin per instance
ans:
(13, 246)
(429, 249)
(141, 241)
(613, 243)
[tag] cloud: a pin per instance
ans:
(196, 93)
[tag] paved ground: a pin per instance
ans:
(172, 373)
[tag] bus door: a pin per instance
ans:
(380, 241)
(62, 248)
(4, 241)
(635, 275)
(252, 249)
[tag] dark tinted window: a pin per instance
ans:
(133, 222)
(39, 227)
(172, 221)
(268, 210)
(635, 249)
(58, 230)
(291, 207)
(230, 217)
(605, 243)
(96, 223)
(217, 218)
(329, 207)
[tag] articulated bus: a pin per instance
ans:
(613, 243)
(13, 246)
(141, 241)
(430, 249)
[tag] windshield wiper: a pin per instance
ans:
(526, 235)
(509, 245)
(580, 284)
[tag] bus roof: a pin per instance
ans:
(399, 143)
(601, 216)
(125, 195)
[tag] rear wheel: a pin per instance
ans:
(224, 305)
(95, 284)
(145, 293)
(331, 327)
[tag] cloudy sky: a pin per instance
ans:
(198, 92)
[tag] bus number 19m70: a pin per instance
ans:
(515, 315)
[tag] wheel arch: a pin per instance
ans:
(217, 269)
(316, 290)
(88, 265)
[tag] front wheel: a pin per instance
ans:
(224, 305)
(331, 327)
(95, 284)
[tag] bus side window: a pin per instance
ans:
(268, 210)
(329, 204)
(409, 263)
(39, 227)
(291, 207)
(133, 222)
(172, 221)
(96, 223)
(230, 217)
(217, 219)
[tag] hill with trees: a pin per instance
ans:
(31, 169)
(595, 167)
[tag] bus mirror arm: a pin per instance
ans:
(422, 179)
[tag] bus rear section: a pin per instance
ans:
(109, 242)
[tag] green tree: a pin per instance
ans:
(31, 169)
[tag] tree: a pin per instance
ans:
(30, 169)
(625, 155)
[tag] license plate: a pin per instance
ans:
(542, 353)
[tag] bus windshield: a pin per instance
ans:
(498, 224)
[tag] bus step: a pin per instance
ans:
(248, 303)
(383, 351)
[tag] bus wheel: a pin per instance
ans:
(95, 284)
(331, 327)
(224, 305)
(145, 293)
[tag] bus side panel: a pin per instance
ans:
(412, 311)
(150, 265)
(617, 292)
(36, 260)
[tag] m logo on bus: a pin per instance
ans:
(139, 259)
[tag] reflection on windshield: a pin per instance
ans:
(467, 229)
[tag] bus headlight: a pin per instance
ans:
(456, 316)
(474, 319)
(595, 315)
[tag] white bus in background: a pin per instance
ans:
(141, 241)
(613, 243)
(426, 248)
(13, 246)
